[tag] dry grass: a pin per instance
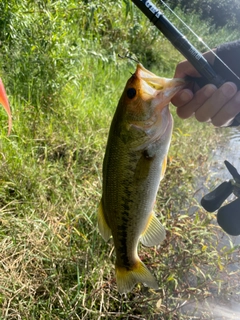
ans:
(55, 265)
(63, 87)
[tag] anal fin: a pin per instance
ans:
(154, 232)
(102, 223)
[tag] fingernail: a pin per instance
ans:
(209, 90)
(186, 96)
(237, 98)
(229, 89)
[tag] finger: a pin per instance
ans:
(200, 97)
(228, 112)
(182, 97)
(185, 68)
(215, 102)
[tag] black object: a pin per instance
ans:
(213, 200)
(228, 217)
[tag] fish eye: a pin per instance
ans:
(131, 93)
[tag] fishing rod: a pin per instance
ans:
(181, 43)
(229, 215)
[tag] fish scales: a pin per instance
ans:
(135, 194)
(133, 166)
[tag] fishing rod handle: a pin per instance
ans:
(228, 217)
(214, 199)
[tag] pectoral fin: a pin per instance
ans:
(102, 223)
(154, 232)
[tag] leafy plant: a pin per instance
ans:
(220, 13)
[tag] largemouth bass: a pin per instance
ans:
(5, 104)
(134, 164)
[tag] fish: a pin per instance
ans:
(5, 104)
(134, 164)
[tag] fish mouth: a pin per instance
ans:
(152, 85)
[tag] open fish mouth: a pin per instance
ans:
(152, 85)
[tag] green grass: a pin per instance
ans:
(54, 263)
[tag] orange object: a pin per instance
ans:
(5, 103)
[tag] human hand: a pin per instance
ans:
(209, 103)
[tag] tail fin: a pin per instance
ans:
(126, 279)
